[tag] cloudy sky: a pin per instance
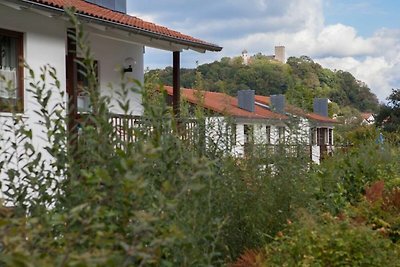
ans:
(360, 36)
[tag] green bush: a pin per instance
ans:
(343, 178)
(100, 200)
(258, 199)
(103, 200)
(330, 242)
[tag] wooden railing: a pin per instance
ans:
(286, 150)
(132, 128)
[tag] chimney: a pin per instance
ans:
(246, 100)
(278, 103)
(280, 53)
(321, 106)
(116, 5)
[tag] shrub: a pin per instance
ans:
(380, 210)
(258, 199)
(100, 200)
(343, 178)
(331, 243)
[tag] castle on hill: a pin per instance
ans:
(280, 55)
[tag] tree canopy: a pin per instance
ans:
(301, 79)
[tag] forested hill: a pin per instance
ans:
(300, 79)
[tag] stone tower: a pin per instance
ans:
(280, 54)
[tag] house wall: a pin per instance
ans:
(45, 43)
(111, 53)
(259, 134)
(316, 154)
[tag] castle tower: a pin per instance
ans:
(280, 54)
(245, 57)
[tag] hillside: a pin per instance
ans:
(300, 79)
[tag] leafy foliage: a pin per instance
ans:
(389, 114)
(96, 200)
(301, 79)
(93, 198)
(345, 176)
(330, 242)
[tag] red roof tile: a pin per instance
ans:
(95, 11)
(266, 100)
(224, 104)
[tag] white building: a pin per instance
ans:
(260, 120)
(36, 31)
(367, 118)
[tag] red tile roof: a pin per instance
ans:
(114, 17)
(266, 100)
(366, 115)
(224, 104)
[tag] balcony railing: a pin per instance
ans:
(268, 150)
(132, 128)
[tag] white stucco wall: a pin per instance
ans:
(44, 42)
(111, 53)
(41, 45)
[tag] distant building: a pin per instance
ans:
(367, 118)
(245, 57)
(280, 55)
(241, 124)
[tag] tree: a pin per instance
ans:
(389, 114)
(268, 77)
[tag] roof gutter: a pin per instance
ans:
(147, 33)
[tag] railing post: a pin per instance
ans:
(176, 84)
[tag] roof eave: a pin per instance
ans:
(196, 46)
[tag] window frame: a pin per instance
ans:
(268, 134)
(248, 133)
(19, 105)
(281, 134)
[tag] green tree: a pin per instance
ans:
(389, 114)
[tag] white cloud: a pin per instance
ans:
(375, 71)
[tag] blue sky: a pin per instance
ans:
(365, 16)
(360, 36)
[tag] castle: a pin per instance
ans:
(280, 55)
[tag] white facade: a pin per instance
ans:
(302, 132)
(45, 43)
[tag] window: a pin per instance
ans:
(232, 133)
(322, 136)
(313, 136)
(248, 139)
(268, 134)
(330, 137)
(281, 134)
(248, 133)
(83, 100)
(11, 71)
